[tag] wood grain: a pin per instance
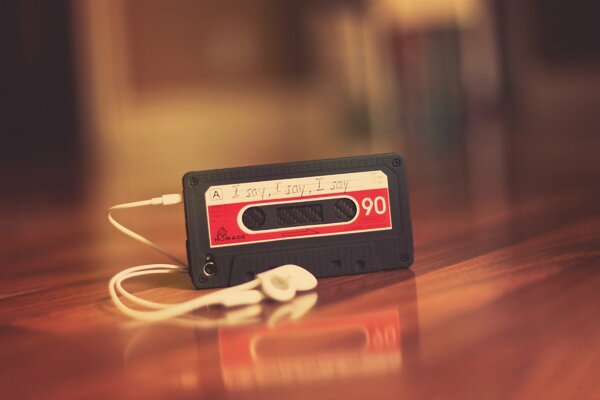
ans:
(502, 302)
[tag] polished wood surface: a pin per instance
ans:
(501, 302)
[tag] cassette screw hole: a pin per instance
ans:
(404, 257)
(209, 268)
(360, 265)
(396, 162)
(194, 181)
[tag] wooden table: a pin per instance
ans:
(502, 302)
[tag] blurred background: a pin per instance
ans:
(493, 103)
(125, 96)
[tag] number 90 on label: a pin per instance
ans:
(377, 205)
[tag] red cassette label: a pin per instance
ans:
(298, 208)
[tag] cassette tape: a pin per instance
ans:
(333, 217)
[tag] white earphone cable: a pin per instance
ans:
(160, 311)
(167, 199)
(244, 294)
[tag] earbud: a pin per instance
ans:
(281, 283)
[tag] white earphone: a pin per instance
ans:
(280, 284)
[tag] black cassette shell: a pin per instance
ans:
(324, 256)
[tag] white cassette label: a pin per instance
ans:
(368, 191)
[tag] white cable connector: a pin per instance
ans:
(166, 200)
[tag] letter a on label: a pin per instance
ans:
(217, 194)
